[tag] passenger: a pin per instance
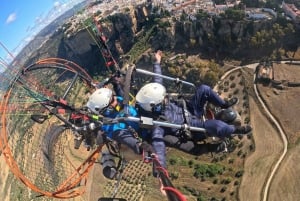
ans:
(152, 100)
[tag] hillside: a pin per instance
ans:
(204, 175)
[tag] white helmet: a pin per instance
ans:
(150, 94)
(99, 99)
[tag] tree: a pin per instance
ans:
(210, 78)
(234, 14)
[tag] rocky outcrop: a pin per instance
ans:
(81, 46)
(123, 29)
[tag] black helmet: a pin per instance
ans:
(227, 115)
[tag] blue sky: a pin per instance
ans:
(21, 19)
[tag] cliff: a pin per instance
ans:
(210, 35)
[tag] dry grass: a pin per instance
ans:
(267, 150)
(284, 105)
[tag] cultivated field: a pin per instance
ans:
(254, 166)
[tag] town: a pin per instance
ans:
(191, 7)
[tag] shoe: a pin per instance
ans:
(243, 130)
(222, 147)
(230, 102)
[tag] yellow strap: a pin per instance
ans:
(132, 101)
(118, 108)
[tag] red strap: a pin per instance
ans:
(176, 192)
(61, 111)
(109, 63)
(63, 101)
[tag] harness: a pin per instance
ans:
(186, 116)
(184, 133)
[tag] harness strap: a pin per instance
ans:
(186, 117)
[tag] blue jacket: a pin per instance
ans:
(111, 128)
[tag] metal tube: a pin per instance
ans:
(165, 124)
(70, 86)
(176, 80)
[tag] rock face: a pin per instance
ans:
(123, 29)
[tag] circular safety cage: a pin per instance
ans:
(42, 154)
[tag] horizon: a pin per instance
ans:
(21, 21)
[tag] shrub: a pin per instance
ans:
(245, 105)
(232, 85)
(210, 78)
(174, 175)
(223, 189)
(191, 163)
(209, 170)
(239, 173)
(236, 183)
(201, 198)
(215, 160)
(226, 181)
(173, 161)
(215, 181)
(247, 120)
(222, 157)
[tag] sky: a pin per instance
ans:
(20, 20)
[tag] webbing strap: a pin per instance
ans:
(186, 116)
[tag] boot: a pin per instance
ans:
(222, 147)
(230, 102)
